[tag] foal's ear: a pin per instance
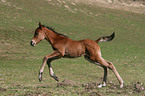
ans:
(40, 25)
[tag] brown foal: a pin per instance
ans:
(68, 48)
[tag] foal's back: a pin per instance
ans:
(81, 47)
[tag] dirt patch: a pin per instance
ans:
(137, 6)
(90, 86)
(92, 89)
(68, 87)
(67, 83)
(2, 89)
(138, 87)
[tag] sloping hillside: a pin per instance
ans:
(137, 6)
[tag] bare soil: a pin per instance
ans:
(66, 83)
(137, 6)
(2, 89)
(111, 88)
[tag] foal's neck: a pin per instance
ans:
(50, 36)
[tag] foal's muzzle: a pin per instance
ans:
(32, 43)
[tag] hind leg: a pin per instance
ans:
(112, 67)
(92, 60)
(105, 64)
(104, 78)
(109, 65)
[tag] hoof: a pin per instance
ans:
(121, 86)
(40, 77)
(101, 85)
(56, 78)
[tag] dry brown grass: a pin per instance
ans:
(137, 6)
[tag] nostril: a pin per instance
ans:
(31, 43)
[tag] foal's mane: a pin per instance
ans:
(50, 28)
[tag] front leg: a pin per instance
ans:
(52, 55)
(40, 77)
(52, 73)
(42, 69)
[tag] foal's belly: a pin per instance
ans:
(75, 49)
(73, 54)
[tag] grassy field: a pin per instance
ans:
(20, 63)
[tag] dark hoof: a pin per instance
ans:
(40, 79)
(56, 78)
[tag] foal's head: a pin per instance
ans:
(38, 35)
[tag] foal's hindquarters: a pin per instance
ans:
(93, 55)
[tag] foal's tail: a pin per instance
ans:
(106, 38)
